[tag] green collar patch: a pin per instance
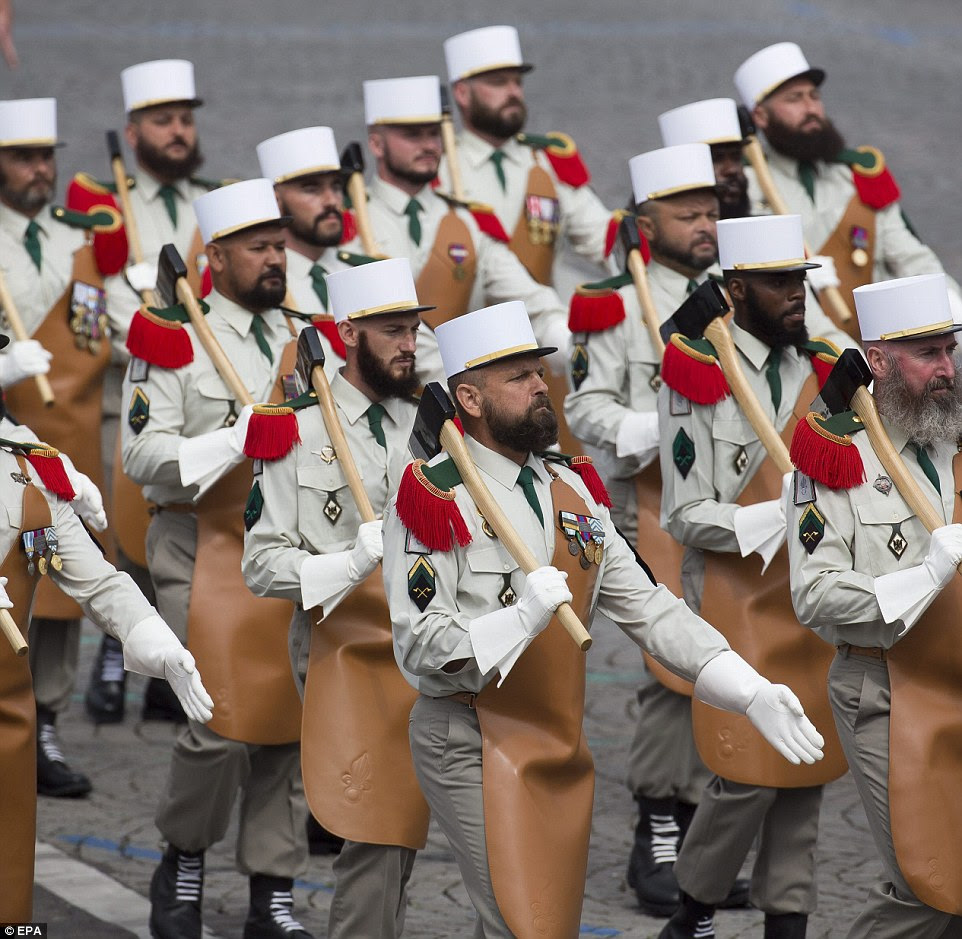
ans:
(683, 452)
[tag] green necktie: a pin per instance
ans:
(691, 288)
(928, 467)
(774, 379)
(806, 176)
(414, 223)
(31, 241)
(320, 284)
(497, 158)
(526, 478)
(375, 414)
(169, 195)
(257, 328)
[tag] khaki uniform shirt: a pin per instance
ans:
(833, 588)
(189, 401)
(296, 489)
(500, 275)
(469, 581)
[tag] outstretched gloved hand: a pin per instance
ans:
(23, 359)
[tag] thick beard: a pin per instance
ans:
(378, 378)
(309, 234)
(30, 201)
(924, 418)
(165, 167)
(806, 146)
(768, 330)
(262, 297)
(685, 258)
(415, 177)
(532, 433)
(492, 123)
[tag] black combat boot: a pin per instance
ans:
(737, 898)
(786, 925)
(54, 776)
(104, 700)
(161, 704)
(692, 920)
(271, 912)
(651, 864)
(176, 893)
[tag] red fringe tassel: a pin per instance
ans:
(52, 474)
(592, 314)
(876, 192)
(583, 466)
(834, 462)
(429, 513)
(158, 341)
(271, 433)
(700, 382)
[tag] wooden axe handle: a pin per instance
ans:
(358, 195)
(335, 432)
(20, 334)
(719, 336)
(453, 442)
(639, 275)
(130, 223)
(10, 629)
(211, 346)
(451, 155)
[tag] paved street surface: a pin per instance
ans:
(605, 70)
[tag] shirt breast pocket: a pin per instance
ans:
(215, 398)
(735, 443)
(889, 537)
(494, 565)
(325, 500)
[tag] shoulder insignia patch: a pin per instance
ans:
(683, 452)
(139, 411)
(579, 364)
(254, 506)
(803, 488)
(139, 370)
(811, 528)
(413, 546)
(422, 584)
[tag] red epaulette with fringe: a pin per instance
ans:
(349, 231)
(874, 182)
(427, 508)
(110, 244)
(273, 430)
(823, 354)
(598, 306)
(584, 467)
(46, 462)
(158, 336)
(326, 326)
(691, 368)
(822, 448)
(488, 222)
(563, 156)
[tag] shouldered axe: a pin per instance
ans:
(631, 241)
(352, 166)
(20, 334)
(450, 145)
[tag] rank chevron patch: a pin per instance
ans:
(421, 582)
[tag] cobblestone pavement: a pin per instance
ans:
(605, 71)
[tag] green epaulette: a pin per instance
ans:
(94, 185)
(211, 184)
(296, 314)
(867, 159)
(609, 283)
(177, 313)
(823, 348)
(355, 260)
(444, 475)
(541, 141)
(306, 400)
(97, 219)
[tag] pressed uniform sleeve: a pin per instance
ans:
(585, 220)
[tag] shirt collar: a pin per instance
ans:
(354, 403)
(150, 186)
(15, 223)
(789, 165)
(476, 152)
(755, 350)
(500, 468)
(396, 199)
(239, 318)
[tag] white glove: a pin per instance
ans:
(5, 601)
(761, 527)
(207, 457)
(88, 503)
(906, 595)
(22, 360)
(730, 683)
(556, 333)
(825, 276)
(327, 578)
(142, 276)
(638, 436)
(499, 638)
(150, 648)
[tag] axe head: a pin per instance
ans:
(704, 304)
(745, 122)
(629, 234)
(434, 409)
(170, 268)
(445, 101)
(848, 374)
(352, 159)
(310, 353)
(113, 146)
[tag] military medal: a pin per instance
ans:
(53, 542)
(88, 316)
(543, 215)
(860, 243)
(332, 508)
(27, 539)
(586, 537)
(883, 484)
(40, 544)
(458, 254)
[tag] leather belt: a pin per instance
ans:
(467, 698)
(872, 652)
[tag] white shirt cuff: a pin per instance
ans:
(204, 459)
(498, 639)
(638, 437)
(325, 580)
(761, 528)
(905, 595)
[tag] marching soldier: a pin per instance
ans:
(52, 281)
(308, 541)
(721, 500)
(463, 611)
(879, 584)
(184, 440)
(456, 267)
(44, 537)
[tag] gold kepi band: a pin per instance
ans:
(34, 142)
(307, 171)
(384, 308)
(919, 331)
(500, 354)
(685, 187)
(154, 102)
(242, 225)
(494, 67)
(422, 119)
(769, 265)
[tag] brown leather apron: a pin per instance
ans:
(239, 640)
(447, 278)
(839, 245)
(533, 240)
(537, 770)
(925, 746)
(355, 756)
(18, 727)
(755, 615)
(73, 423)
(663, 555)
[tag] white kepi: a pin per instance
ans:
(236, 207)
(301, 152)
(372, 289)
(905, 308)
(162, 81)
(483, 50)
(760, 74)
(714, 120)
(762, 243)
(415, 100)
(671, 170)
(29, 122)
(488, 335)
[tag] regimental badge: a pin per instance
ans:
(740, 463)
(486, 527)
(882, 484)
(254, 507)
(421, 583)
(543, 215)
(804, 487)
(811, 528)
(683, 452)
(327, 454)
(678, 404)
(20, 478)
(139, 370)
(579, 364)
(586, 537)
(860, 241)
(507, 596)
(88, 316)
(897, 543)
(332, 508)
(139, 411)
(458, 254)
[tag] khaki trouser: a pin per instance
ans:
(728, 819)
(860, 698)
(54, 648)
